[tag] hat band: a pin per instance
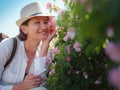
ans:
(36, 14)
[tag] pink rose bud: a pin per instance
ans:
(49, 5)
(68, 59)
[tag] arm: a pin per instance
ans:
(40, 68)
(45, 44)
(29, 81)
(4, 53)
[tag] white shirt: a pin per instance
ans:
(15, 72)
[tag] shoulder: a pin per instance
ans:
(6, 42)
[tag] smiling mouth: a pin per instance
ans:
(43, 32)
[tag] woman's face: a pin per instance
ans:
(38, 28)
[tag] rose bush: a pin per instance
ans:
(85, 29)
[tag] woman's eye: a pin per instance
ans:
(46, 22)
(37, 22)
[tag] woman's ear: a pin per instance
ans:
(23, 28)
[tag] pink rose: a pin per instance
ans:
(71, 33)
(48, 60)
(68, 49)
(77, 49)
(76, 46)
(113, 51)
(66, 38)
(52, 72)
(68, 59)
(49, 5)
(114, 77)
(55, 50)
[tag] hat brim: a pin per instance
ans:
(20, 21)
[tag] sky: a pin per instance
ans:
(10, 13)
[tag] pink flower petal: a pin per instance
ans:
(113, 51)
(66, 38)
(114, 77)
(49, 5)
(76, 45)
(77, 49)
(68, 58)
(52, 72)
(55, 50)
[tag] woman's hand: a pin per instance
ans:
(31, 81)
(51, 35)
(45, 44)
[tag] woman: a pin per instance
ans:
(27, 71)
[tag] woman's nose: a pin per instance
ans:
(44, 26)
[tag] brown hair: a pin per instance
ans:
(22, 36)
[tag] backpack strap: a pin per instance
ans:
(12, 53)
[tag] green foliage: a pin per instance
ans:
(90, 64)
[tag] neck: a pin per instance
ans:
(31, 45)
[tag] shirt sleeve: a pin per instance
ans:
(4, 55)
(39, 65)
(5, 87)
(40, 68)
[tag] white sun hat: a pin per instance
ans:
(32, 10)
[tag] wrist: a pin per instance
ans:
(46, 42)
(44, 48)
(18, 87)
(45, 45)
